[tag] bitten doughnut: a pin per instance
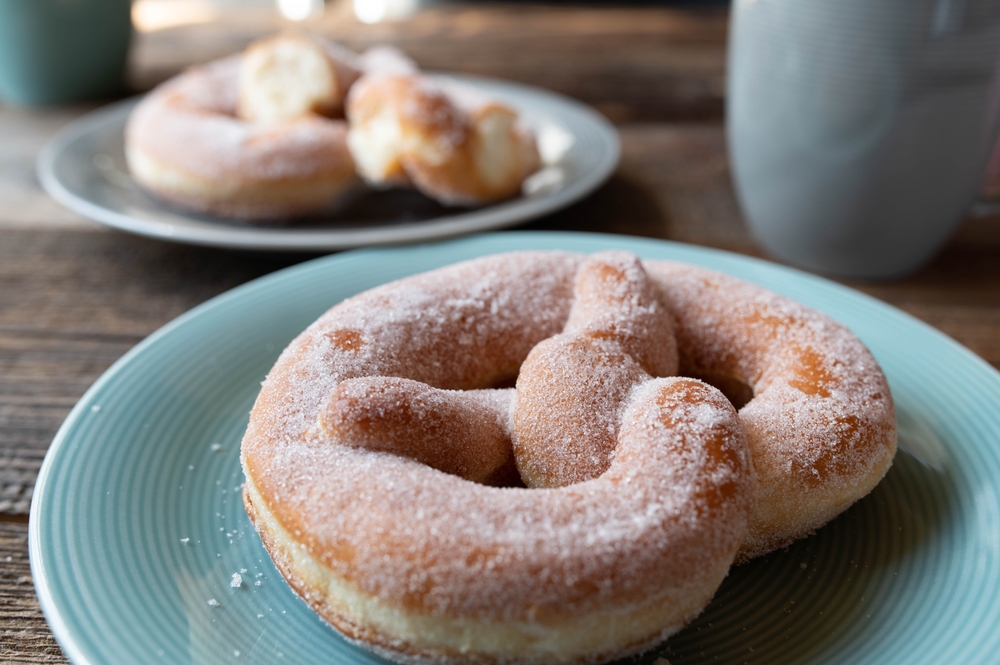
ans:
(378, 533)
(411, 544)
(294, 74)
(451, 143)
(184, 144)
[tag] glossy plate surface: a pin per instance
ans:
(84, 168)
(137, 529)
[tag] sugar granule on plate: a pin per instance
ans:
(237, 581)
(213, 602)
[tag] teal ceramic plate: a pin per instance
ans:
(142, 553)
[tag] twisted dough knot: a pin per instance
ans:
(567, 411)
(641, 485)
(573, 387)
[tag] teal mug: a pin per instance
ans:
(63, 50)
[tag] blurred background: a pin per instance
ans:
(75, 296)
(630, 60)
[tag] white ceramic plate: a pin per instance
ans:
(84, 168)
(137, 527)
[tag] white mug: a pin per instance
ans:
(859, 130)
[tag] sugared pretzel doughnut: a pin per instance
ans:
(450, 142)
(380, 534)
(184, 143)
(385, 536)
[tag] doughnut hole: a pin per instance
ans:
(505, 382)
(736, 390)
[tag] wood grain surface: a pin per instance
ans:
(75, 296)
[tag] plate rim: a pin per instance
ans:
(54, 615)
(249, 237)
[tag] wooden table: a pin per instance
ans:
(75, 296)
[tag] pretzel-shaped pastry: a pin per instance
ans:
(365, 437)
